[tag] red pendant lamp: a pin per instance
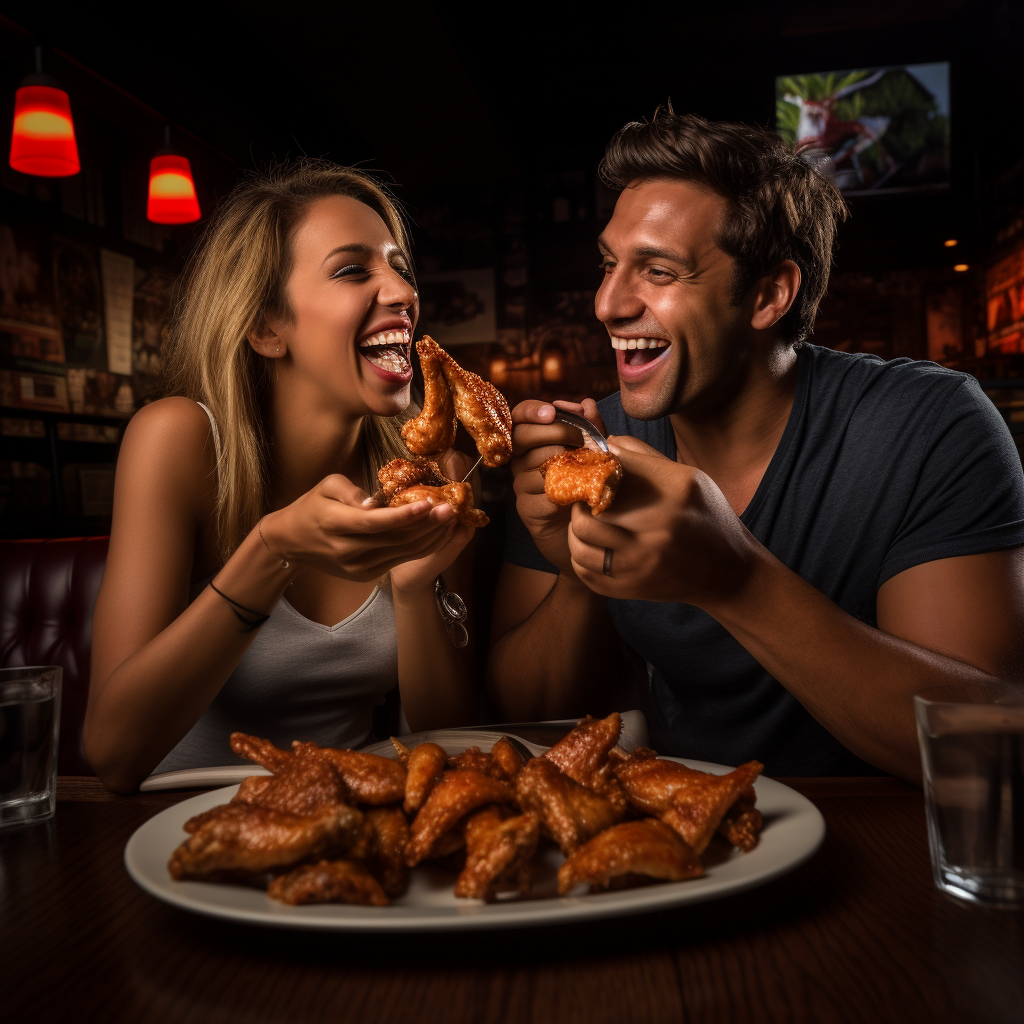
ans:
(43, 139)
(172, 192)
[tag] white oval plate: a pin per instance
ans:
(793, 830)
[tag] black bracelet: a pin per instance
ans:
(250, 624)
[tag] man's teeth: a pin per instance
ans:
(629, 344)
(386, 338)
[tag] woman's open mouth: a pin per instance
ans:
(390, 354)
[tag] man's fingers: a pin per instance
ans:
(533, 411)
(591, 413)
(594, 530)
(623, 446)
(534, 435)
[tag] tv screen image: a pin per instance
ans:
(871, 130)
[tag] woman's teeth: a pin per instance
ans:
(390, 350)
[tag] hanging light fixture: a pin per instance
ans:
(172, 192)
(43, 139)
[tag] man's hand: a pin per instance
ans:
(670, 531)
(535, 438)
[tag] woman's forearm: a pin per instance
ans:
(149, 701)
(434, 676)
(557, 662)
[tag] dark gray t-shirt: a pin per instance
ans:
(882, 466)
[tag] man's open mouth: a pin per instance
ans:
(389, 351)
(639, 351)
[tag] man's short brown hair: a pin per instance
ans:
(779, 206)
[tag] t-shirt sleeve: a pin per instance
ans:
(519, 546)
(969, 498)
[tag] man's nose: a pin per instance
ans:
(617, 299)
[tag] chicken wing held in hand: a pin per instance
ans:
(582, 474)
(483, 411)
(644, 847)
(458, 495)
(433, 431)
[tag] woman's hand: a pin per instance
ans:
(418, 575)
(337, 528)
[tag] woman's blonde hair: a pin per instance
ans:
(235, 278)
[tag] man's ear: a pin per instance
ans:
(266, 341)
(775, 294)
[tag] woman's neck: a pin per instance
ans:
(310, 438)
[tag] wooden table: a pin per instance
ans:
(857, 934)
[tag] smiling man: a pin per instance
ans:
(804, 537)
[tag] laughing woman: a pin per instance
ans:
(251, 584)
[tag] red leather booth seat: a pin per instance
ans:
(48, 592)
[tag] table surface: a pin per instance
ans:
(859, 933)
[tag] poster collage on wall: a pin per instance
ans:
(81, 326)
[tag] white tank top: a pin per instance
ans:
(299, 680)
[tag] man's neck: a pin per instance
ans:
(735, 443)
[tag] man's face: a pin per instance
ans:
(666, 299)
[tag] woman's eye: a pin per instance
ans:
(404, 273)
(352, 270)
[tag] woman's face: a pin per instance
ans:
(353, 306)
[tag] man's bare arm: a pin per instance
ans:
(554, 647)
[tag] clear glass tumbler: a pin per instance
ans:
(972, 756)
(29, 724)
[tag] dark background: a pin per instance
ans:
(490, 122)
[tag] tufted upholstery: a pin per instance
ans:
(48, 591)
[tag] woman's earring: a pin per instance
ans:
(278, 349)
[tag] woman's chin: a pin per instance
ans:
(393, 403)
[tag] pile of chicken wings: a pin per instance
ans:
(345, 826)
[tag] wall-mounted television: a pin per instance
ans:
(872, 130)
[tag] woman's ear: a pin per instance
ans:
(266, 341)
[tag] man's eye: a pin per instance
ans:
(606, 265)
(352, 270)
(658, 272)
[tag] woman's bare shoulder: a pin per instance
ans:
(173, 438)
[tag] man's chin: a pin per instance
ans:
(645, 401)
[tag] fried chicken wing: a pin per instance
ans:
(301, 786)
(582, 474)
(509, 759)
(399, 474)
(458, 494)
(699, 805)
(644, 847)
(330, 881)
(479, 761)
(263, 752)
(741, 825)
(459, 792)
(570, 813)
(499, 846)
(433, 431)
(386, 840)
(584, 756)
(423, 765)
(482, 409)
(243, 838)
(371, 779)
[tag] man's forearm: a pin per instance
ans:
(856, 680)
(557, 663)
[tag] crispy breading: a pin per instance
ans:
(509, 759)
(570, 813)
(301, 786)
(433, 430)
(499, 845)
(240, 837)
(371, 779)
(645, 847)
(582, 474)
(329, 881)
(584, 756)
(423, 765)
(386, 842)
(460, 791)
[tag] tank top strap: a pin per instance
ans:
(216, 433)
